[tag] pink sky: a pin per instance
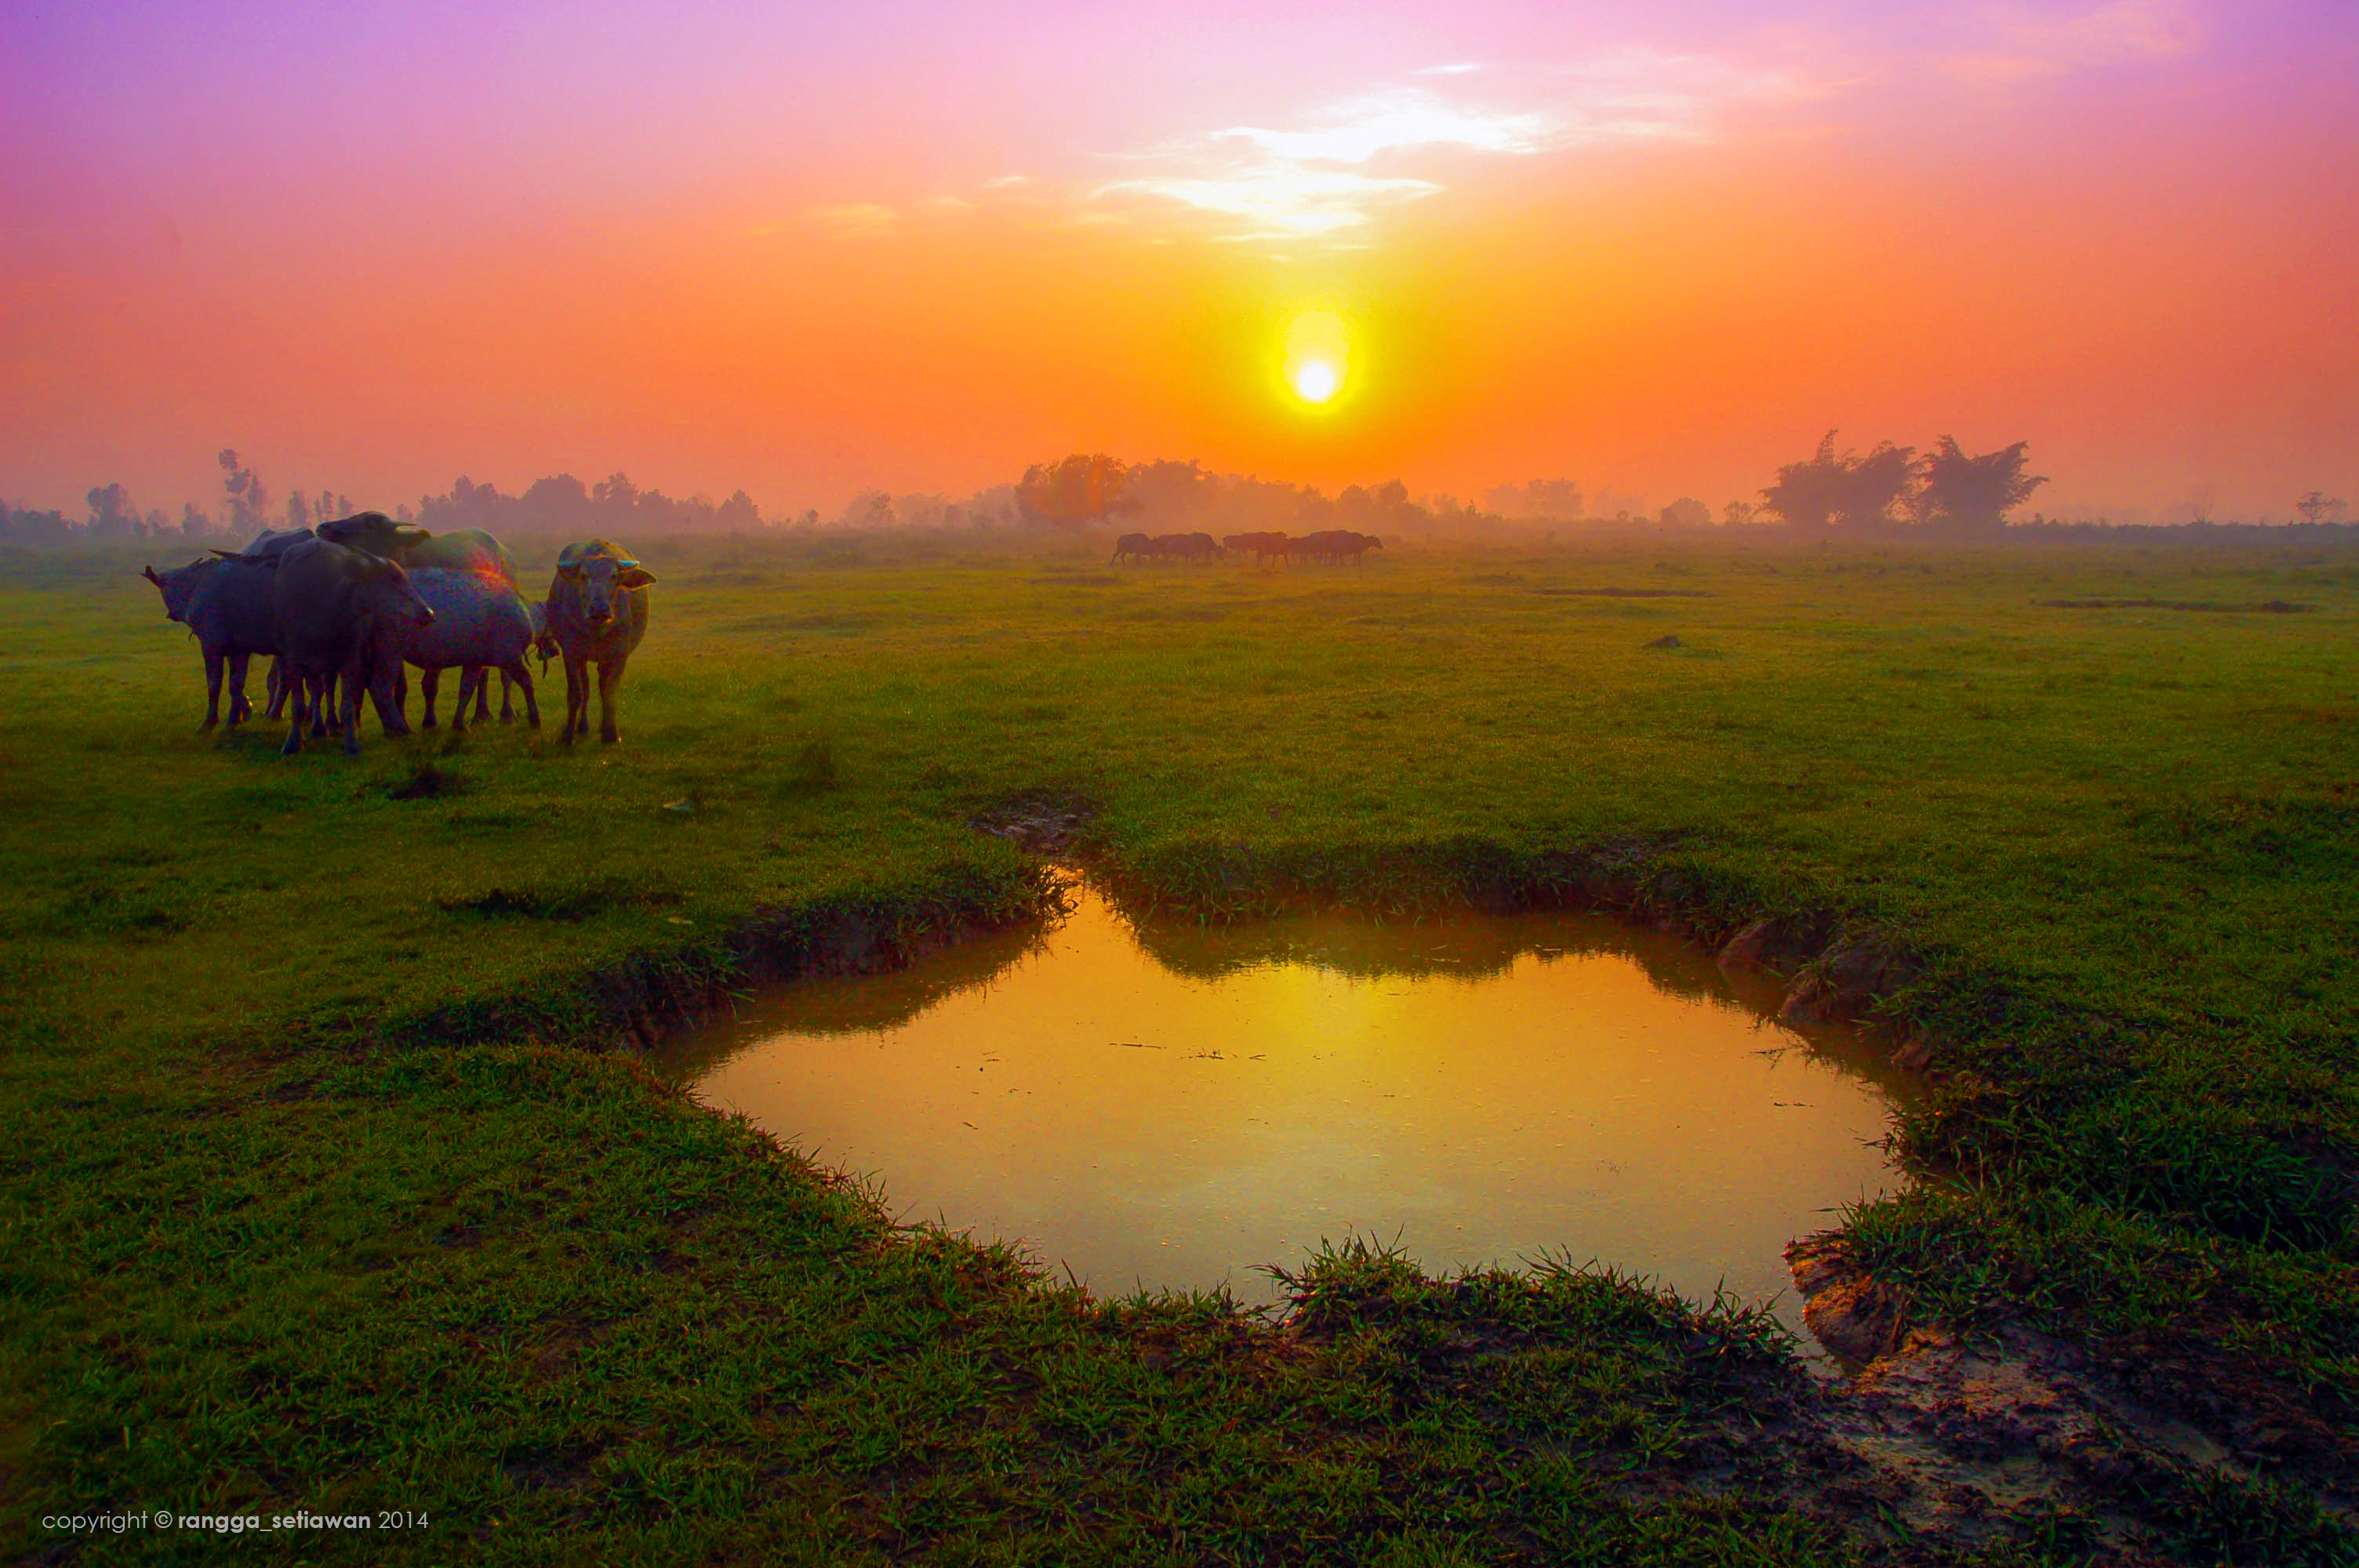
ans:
(812, 250)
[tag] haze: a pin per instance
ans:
(813, 250)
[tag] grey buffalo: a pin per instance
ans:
(226, 604)
(1337, 545)
(344, 615)
(474, 551)
(597, 613)
(462, 550)
(1261, 546)
(1133, 547)
(479, 623)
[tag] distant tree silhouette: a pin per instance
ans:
(111, 514)
(2317, 506)
(1835, 488)
(738, 513)
(1685, 513)
(249, 504)
(1964, 494)
(1081, 488)
(1558, 498)
(1737, 513)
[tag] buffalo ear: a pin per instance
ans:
(149, 573)
(635, 577)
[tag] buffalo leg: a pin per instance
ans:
(212, 689)
(278, 685)
(471, 681)
(293, 695)
(514, 672)
(482, 692)
(240, 711)
(321, 698)
(385, 685)
(429, 685)
(610, 688)
(348, 713)
(577, 697)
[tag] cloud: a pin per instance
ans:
(2023, 44)
(856, 220)
(1335, 168)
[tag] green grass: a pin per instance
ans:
(332, 1181)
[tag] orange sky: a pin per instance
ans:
(806, 252)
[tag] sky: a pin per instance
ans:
(815, 249)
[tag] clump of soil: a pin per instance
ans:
(1045, 821)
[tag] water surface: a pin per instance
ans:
(1174, 1106)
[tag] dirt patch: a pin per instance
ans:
(1048, 822)
(2014, 1434)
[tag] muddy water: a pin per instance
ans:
(1171, 1106)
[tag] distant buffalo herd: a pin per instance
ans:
(1332, 545)
(342, 610)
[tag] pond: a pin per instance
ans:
(1170, 1106)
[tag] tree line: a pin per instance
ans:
(1944, 492)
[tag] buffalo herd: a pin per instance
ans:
(343, 610)
(1330, 545)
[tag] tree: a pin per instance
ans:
(111, 514)
(249, 504)
(1842, 488)
(1737, 513)
(1559, 498)
(738, 513)
(1685, 513)
(2317, 506)
(1971, 495)
(1079, 489)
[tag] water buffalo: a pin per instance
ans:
(265, 547)
(1260, 545)
(476, 552)
(344, 614)
(1134, 547)
(275, 541)
(1336, 544)
(1186, 547)
(226, 604)
(462, 550)
(479, 623)
(597, 613)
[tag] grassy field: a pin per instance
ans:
(334, 1183)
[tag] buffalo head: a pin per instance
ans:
(373, 532)
(600, 575)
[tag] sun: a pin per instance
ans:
(1315, 381)
(1318, 355)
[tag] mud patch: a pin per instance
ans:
(1046, 821)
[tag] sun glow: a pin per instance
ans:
(1318, 349)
